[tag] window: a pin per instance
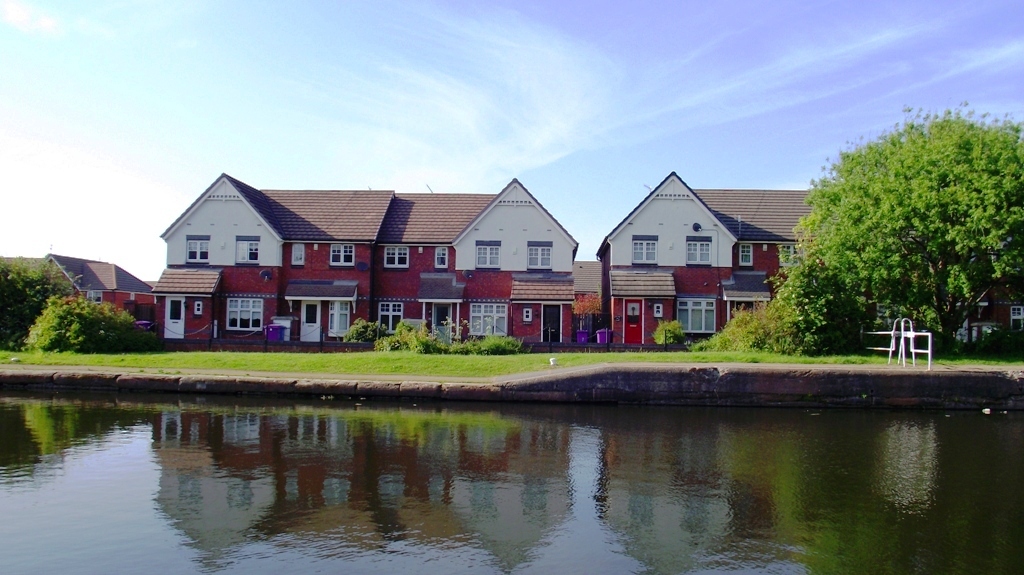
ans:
(396, 257)
(247, 249)
(787, 255)
(746, 255)
(698, 252)
(645, 252)
(343, 255)
(95, 296)
(527, 314)
(197, 307)
(697, 316)
(441, 257)
(390, 315)
(1017, 318)
(488, 256)
(538, 257)
(338, 318)
(488, 319)
(197, 249)
(298, 254)
(245, 314)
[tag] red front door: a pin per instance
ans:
(634, 321)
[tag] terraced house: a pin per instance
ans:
(240, 259)
(695, 256)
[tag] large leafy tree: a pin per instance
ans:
(927, 218)
(25, 285)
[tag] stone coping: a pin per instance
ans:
(763, 385)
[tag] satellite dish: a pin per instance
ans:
(696, 227)
(361, 266)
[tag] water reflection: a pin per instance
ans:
(552, 488)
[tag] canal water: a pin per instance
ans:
(165, 484)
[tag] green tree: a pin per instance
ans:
(926, 218)
(25, 285)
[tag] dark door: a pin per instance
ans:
(634, 326)
(442, 322)
(551, 326)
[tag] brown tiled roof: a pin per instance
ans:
(430, 218)
(632, 283)
(321, 289)
(435, 286)
(747, 285)
(758, 215)
(95, 275)
(586, 277)
(187, 281)
(542, 287)
(324, 215)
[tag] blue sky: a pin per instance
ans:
(117, 114)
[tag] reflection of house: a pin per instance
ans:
(314, 261)
(695, 255)
(362, 479)
(104, 282)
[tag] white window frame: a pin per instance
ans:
(647, 250)
(247, 252)
(396, 256)
(527, 314)
(339, 318)
(197, 307)
(488, 256)
(343, 254)
(245, 314)
(94, 295)
(389, 314)
(441, 257)
(197, 247)
(746, 254)
(698, 253)
(788, 255)
(1017, 318)
(488, 319)
(705, 308)
(538, 257)
(298, 254)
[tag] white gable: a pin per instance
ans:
(515, 219)
(222, 214)
(670, 215)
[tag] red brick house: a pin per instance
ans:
(239, 259)
(695, 256)
(103, 282)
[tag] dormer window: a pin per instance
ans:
(197, 249)
(645, 249)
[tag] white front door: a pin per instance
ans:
(309, 325)
(174, 318)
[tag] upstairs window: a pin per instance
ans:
(197, 249)
(298, 254)
(488, 254)
(645, 249)
(95, 296)
(538, 255)
(396, 257)
(698, 250)
(247, 249)
(787, 255)
(343, 255)
(746, 255)
(441, 257)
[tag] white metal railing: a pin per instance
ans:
(903, 339)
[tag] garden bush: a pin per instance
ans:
(669, 332)
(365, 331)
(422, 340)
(78, 325)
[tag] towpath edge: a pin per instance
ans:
(629, 383)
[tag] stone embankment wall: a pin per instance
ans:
(624, 383)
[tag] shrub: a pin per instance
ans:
(764, 328)
(669, 332)
(1001, 342)
(25, 287)
(78, 325)
(423, 340)
(365, 331)
(499, 345)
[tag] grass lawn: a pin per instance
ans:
(408, 363)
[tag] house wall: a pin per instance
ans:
(532, 331)
(222, 215)
(670, 215)
(119, 297)
(403, 284)
(766, 258)
(514, 220)
(318, 266)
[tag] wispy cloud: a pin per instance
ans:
(28, 19)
